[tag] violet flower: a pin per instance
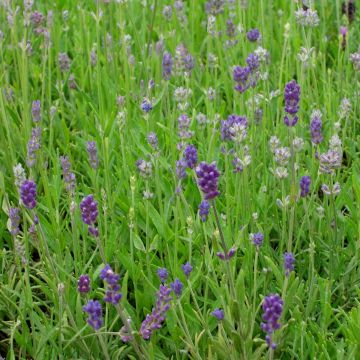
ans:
(84, 284)
(289, 263)
(187, 269)
(89, 213)
(94, 311)
(162, 274)
(14, 216)
(154, 320)
(177, 287)
(218, 314)
(93, 155)
(204, 209)
(28, 194)
(292, 98)
(112, 294)
(272, 308)
(305, 182)
(208, 177)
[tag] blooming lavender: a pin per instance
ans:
(92, 152)
(292, 98)
(305, 182)
(187, 269)
(208, 177)
(167, 64)
(218, 314)
(177, 287)
(272, 310)
(14, 216)
(153, 140)
(112, 294)
(28, 194)
(230, 125)
(184, 61)
(33, 146)
(162, 274)
(190, 156)
(84, 284)
(247, 76)
(181, 166)
(257, 238)
(144, 167)
(94, 311)
(154, 320)
(183, 126)
(36, 111)
(68, 176)
(204, 209)
(330, 161)
(89, 213)
(226, 256)
(146, 105)
(19, 175)
(64, 62)
(253, 35)
(316, 127)
(289, 263)
(307, 18)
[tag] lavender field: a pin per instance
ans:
(179, 179)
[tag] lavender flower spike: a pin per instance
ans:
(93, 156)
(84, 284)
(162, 274)
(89, 213)
(208, 177)
(187, 269)
(154, 320)
(28, 194)
(218, 314)
(190, 156)
(36, 111)
(167, 64)
(177, 287)
(272, 307)
(289, 263)
(14, 217)
(292, 98)
(305, 182)
(204, 209)
(112, 294)
(94, 311)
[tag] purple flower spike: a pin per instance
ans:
(258, 239)
(316, 127)
(36, 111)
(112, 294)
(28, 194)
(14, 216)
(89, 210)
(94, 311)
(167, 64)
(305, 182)
(218, 314)
(92, 152)
(154, 320)
(241, 76)
(177, 287)
(162, 274)
(292, 98)
(187, 269)
(84, 284)
(190, 156)
(272, 310)
(228, 125)
(208, 177)
(227, 256)
(253, 35)
(146, 106)
(289, 263)
(204, 209)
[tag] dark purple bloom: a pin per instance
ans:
(167, 64)
(289, 263)
(89, 210)
(64, 62)
(154, 320)
(36, 111)
(204, 209)
(227, 131)
(187, 269)
(241, 76)
(253, 62)
(305, 182)
(208, 177)
(33, 146)
(218, 314)
(258, 239)
(190, 156)
(315, 128)
(92, 152)
(162, 274)
(68, 176)
(94, 311)
(272, 310)
(292, 98)
(177, 287)
(84, 284)
(112, 293)
(28, 194)
(146, 106)
(253, 35)
(153, 140)
(14, 216)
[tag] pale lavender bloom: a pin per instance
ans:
(14, 216)
(36, 111)
(33, 146)
(68, 176)
(64, 62)
(93, 156)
